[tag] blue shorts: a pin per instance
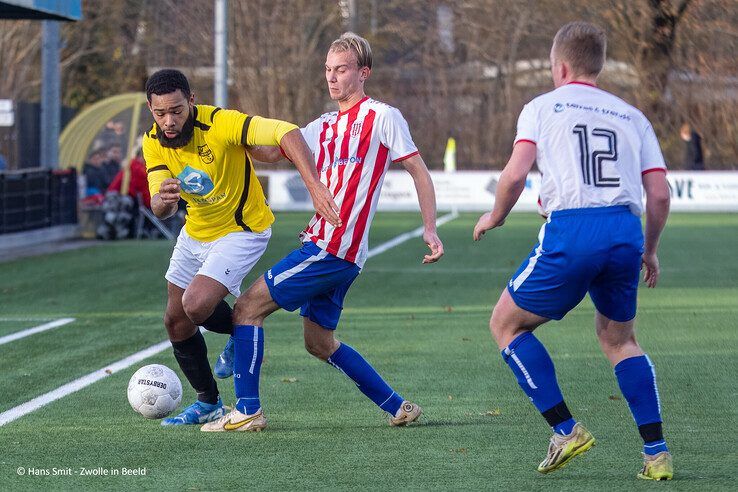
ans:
(313, 280)
(595, 250)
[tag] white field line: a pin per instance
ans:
(80, 383)
(397, 240)
(37, 329)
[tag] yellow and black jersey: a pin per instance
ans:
(216, 173)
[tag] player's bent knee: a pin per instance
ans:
(197, 312)
(314, 350)
(500, 327)
(198, 308)
(245, 314)
(618, 343)
(178, 328)
(321, 350)
(254, 305)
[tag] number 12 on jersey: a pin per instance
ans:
(591, 161)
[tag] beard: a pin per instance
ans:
(184, 137)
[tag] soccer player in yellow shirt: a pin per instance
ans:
(200, 154)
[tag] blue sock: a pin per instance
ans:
(534, 370)
(565, 427)
(352, 364)
(637, 379)
(248, 353)
(654, 447)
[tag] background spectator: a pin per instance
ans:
(121, 213)
(113, 158)
(138, 185)
(693, 159)
(97, 178)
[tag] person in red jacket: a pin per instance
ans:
(138, 183)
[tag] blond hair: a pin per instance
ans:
(583, 46)
(359, 46)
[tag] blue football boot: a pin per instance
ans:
(224, 364)
(198, 413)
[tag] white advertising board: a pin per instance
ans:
(7, 116)
(705, 191)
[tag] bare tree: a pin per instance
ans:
(459, 68)
(277, 50)
(20, 43)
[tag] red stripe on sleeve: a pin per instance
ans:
(524, 140)
(653, 169)
(406, 157)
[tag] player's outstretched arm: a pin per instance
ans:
(511, 185)
(164, 204)
(296, 150)
(427, 201)
(658, 201)
(263, 153)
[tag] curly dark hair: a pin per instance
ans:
(167, 81)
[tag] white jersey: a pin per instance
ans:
(592, 148)
(352, 151)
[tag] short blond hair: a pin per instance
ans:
(583, 45)
(350, 41)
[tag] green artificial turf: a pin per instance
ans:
(424, 327)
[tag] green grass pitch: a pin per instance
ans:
(424, 327)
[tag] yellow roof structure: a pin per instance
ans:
(77, 137)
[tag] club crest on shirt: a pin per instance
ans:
(356, 129)
(206, 155)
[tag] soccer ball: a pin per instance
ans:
(154, 391)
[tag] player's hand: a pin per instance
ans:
(169, 190)
(324, 204)
(435, 245)
(484, 224)
(650, 262)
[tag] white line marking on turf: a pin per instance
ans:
(397, 240)
(80, 383)
(37, 329)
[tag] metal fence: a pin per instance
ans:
(37, 198)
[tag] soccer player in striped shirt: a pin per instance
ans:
(597, 155)
(353, 149)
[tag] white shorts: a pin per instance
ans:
(227, 259)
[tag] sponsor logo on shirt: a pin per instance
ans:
(195, 182)
(209, 200)
(347, 160)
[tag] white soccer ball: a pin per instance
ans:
(154, 391)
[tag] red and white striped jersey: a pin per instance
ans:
(352, 151)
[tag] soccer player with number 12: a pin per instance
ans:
(596, 154)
